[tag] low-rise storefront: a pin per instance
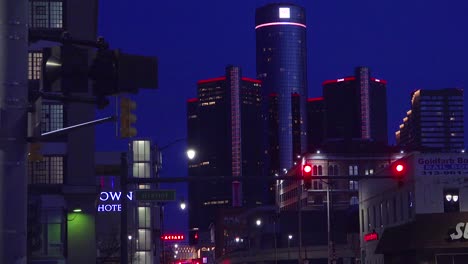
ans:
(440, 238)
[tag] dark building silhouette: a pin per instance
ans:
(315, 123)
(434, 122)
(356, 108)
(281, 65)
(224, 127)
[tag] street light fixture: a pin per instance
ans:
(183, 205)
(191, 154)
(258, 222)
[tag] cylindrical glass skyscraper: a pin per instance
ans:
(282, 67)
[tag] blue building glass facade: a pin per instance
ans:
(281, 65)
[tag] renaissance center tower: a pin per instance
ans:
(281, 56)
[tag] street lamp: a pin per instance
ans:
(289, 244)
(191, 154)
(182, 204)
(258, 222)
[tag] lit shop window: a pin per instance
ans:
(34, 65)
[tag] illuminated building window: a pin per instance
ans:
(34, 65)
(46, 14)
(52, 117)
(353, 170)
(353, 185)
(48, 171)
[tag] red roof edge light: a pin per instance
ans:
(345, 79)
(379, 80)
(192, 100)
(251, 80)
(222, 78)
(315, 99)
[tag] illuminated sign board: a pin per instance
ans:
(172, 237)
(461, 231)
(284, 12)
(371, 237)
(110, 201)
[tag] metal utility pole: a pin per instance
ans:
(328, 222)
(123, 213)
(299, 221)
(13, 129)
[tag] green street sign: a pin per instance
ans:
(155, 195)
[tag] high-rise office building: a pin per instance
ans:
(356, 108)
(224, 126)
(434, 122)
(315, 123)
(281, 66)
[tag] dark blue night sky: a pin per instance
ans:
(411, 44)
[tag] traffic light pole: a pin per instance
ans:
(13, 132)
(123, 213)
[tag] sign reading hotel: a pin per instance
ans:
(443, 165)
(110, 201)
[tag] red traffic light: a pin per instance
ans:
(399, 168)
(307, 170)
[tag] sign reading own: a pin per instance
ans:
(155, 195)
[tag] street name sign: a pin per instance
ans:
(155, 195)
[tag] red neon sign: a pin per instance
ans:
(173, 237)
(371, 237)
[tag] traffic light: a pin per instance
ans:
(306, 176)
(399, 169)
(114, 72)
(64, 69)
(307, 170)
(34, 151)
(193, 237)
(127, 118)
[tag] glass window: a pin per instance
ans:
(48, 171)
(34, 65)
(52, 117)
(46, 14)
(353, 185)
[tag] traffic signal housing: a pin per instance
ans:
(127, 118)
(64, 69)
(34, 151)
(114, 72)
(399, 170)
(193, 237)
(307, 176)
(307, 170)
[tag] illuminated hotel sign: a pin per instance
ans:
(461, 231)
(371, 237)
(110, 201)
(284, 12)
